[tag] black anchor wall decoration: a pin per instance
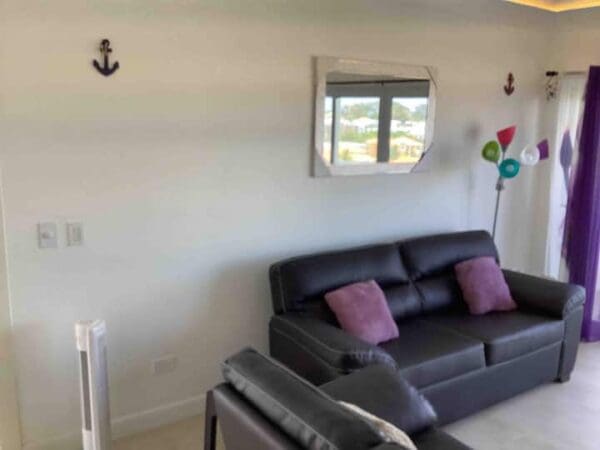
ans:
(105, 50)
(509, 88)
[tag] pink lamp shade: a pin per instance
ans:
(506, 136)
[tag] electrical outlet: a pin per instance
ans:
(166, 364)
(74, 234)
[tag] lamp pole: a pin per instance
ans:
(499, 189)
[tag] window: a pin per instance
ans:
(328, 129)
(407, 129)
(357, 126)
(375, 121)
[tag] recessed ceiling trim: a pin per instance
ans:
(558, 6)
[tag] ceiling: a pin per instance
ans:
(559, 5)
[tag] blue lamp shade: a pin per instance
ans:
(509, 168)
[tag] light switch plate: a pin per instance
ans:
(47, 235)
(74, 234)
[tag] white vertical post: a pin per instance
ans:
(95, 412)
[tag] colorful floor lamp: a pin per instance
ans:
(495, 152)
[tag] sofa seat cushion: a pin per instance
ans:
(506, 335)
(427, 353)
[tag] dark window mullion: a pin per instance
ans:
(335, 129)
(385, 125)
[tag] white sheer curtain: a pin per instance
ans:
(568, 117)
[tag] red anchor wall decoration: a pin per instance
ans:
(105, 50)
(509, 88)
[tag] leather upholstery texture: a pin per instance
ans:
(307, 414)
(430, 262)
(432, 255)
(332, 351)
(543, 295)
(505, 335)
(436, 439)
(297, 282)
(385, 394)
(249, 422)
(465, 395)
(416, 275)
(560, 300)
(426, 353)
(570, 344)
(243, 426)
(441, 349)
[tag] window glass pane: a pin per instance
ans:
(358, 125)
(327, 128)
(407, 129)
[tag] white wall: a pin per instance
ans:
(189, 169)
(575, 43)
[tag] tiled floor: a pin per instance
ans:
(552, 417)
(186, 435)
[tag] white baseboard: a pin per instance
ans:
(156, 417)
(71, 441)
(129, 424)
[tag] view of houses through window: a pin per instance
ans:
(407, 129)
(352, 129)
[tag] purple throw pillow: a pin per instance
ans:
(362, 311)
(483, 286)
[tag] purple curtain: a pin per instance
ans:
(582, 226)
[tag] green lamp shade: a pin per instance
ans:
(509, 168)
(491, 152)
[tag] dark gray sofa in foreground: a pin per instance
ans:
(263, 405)
(461, 363)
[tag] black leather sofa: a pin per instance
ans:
(263, 405)
(461, 363)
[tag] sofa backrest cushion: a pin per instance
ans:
(430, 263)
(416, 275)
(302, 411)
(300, 284)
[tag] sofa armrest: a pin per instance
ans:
(382, 392)
(559, 300)
(548, 296)
(314, 338)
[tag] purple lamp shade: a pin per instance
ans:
(544, 148)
